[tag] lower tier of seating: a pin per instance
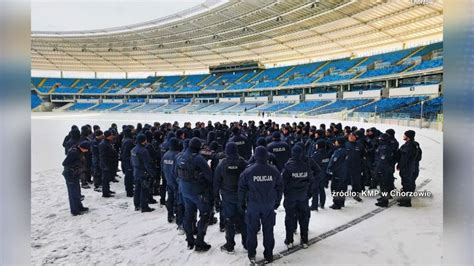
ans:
(339, 106)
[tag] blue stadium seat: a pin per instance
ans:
(80, 106)
(339, 106)
(104, 106)
(306, 106)
(389, 104)
(428, 64)
(383, 71)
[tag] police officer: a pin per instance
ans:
(321, 156)
(107, 158)
(243, 144)
(384, 156)
(73, 167)
(280, 149)
(155, 157)
(297, 182)
(260, 190)
(196, 179)
(86, 174)
(355, 153)
(125, 153)
(96, 172)
(394, 145)
(226, 181)
(143, 171)
(168, 163)
(73, 140)
(408, 154)
(337, 169)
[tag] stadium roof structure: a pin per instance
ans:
(270, 31)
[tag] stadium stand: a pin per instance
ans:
(148, 107)
(218, 107)
(104, 106)
(431, 108)
(80, 106)
(389, 104)
(339, 106)
(306, 106)
(242, 108)
(298, 75)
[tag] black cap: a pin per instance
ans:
(98, 133)
(276, 135)
(107, 133)
(341, 140)
(390, 131)
(141, 138)
(410, 134)
(85, 144)
(195, 144)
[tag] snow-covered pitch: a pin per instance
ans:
(114, 233)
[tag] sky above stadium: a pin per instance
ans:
(71, 15)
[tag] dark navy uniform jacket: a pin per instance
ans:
(408, 154)
(168, 163)
(271, 159)
(337, 165)
(243, 145)
(261, 184)
(282, 152)
(355, 152)
(226, 177)
(125, 153)
(142, 163)
(95, 153)
(321, 157)
(289, 138)
(384, 157)
(192, 168)
(73, 163)
(108, 156)
(297, 179)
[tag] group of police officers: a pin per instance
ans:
(241, 170)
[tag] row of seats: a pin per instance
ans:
(339, 106)
(410, 106)
(306, 106)
(328, 71)
(432, 106)
(389, 104)
(218, 107)
(241, 108)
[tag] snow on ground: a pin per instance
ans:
(113, 233)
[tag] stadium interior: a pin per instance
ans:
(349, 59)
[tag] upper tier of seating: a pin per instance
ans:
(298, 75)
